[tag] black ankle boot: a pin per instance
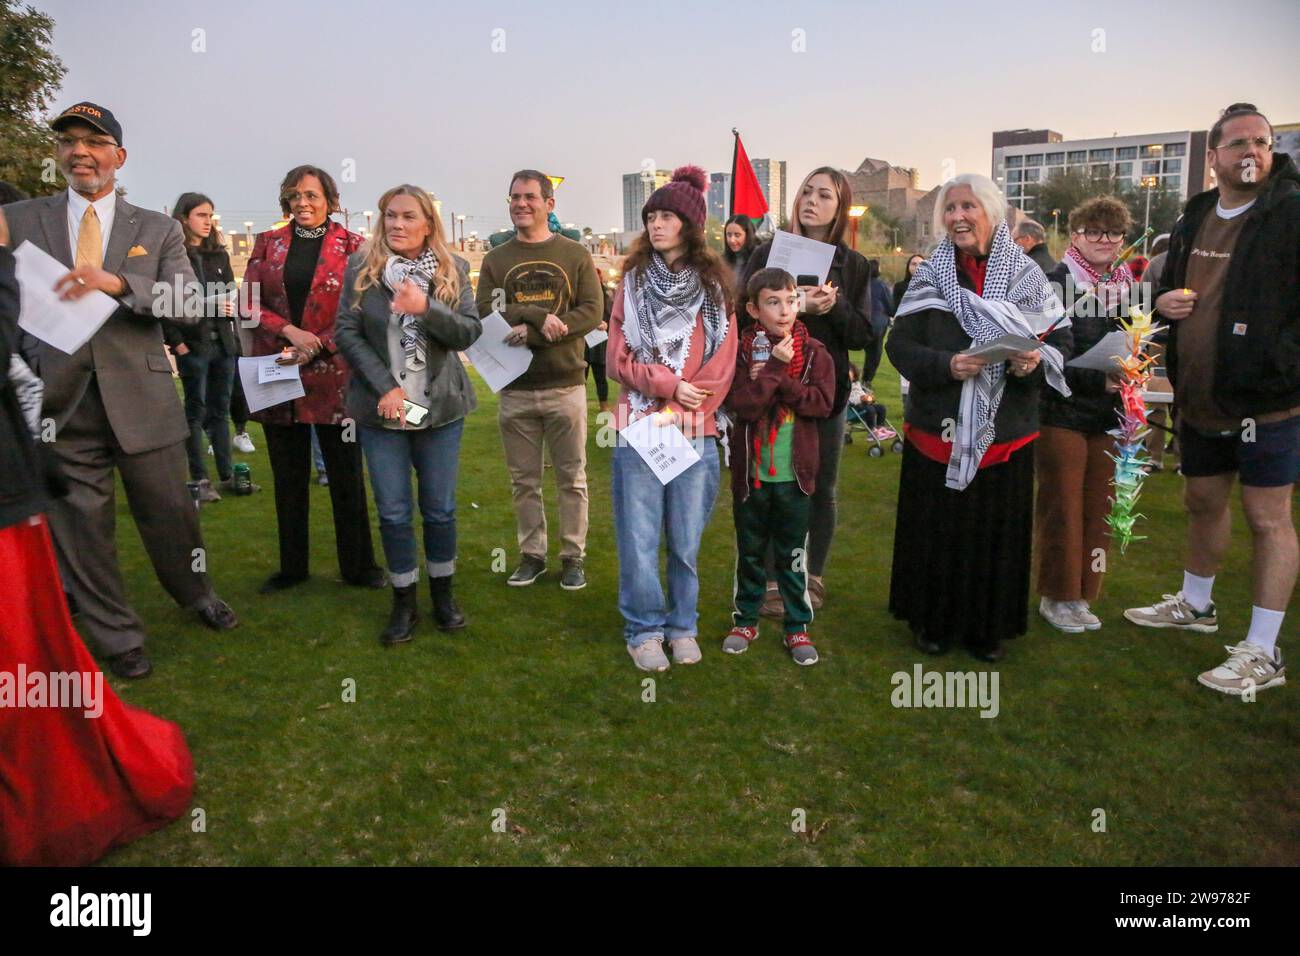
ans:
(446, 612)
(406, 614)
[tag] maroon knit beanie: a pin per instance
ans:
(684, 195)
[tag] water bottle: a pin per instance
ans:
(243, 479)
(762, 348)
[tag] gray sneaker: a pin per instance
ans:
(1248, 667)
(649, 655)
(738, 641)
(530, 569)
(1174, 611)
(573, 578)
(208, 494)
(1083, 613)
(801, 648)
(686, 650)
(1061, 615)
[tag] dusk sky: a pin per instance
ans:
(415, 92)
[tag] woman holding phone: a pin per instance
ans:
(407, 309)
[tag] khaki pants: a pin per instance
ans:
(1072, 538)
(556, 417)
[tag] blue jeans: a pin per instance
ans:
(642, 507)
(435, 454)
(208, 379)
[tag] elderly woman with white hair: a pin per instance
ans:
(963, 534)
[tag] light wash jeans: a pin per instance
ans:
(435, 455)
(642, 507)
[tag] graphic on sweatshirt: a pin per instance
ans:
(540, 283)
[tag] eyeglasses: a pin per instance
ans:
(307, 196)
(1096, 235)
(1241, 145)
(523, 197)
(65, 141)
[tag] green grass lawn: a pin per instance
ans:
(537, 711)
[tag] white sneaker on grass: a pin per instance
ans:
(686, 650)
(649, 655)
(1083, 613)
(1248, 666)
(244, 443)
(1061, 615)
(1175, 612)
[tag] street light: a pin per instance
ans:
(1148, 183)
(368, 213)
(1056, 223)
(248, 228)
(461, 219)
(856, 213)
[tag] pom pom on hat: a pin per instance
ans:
(683, 195)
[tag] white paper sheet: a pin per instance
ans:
(498, 363)
(275, 372)
(262, 395)
(1101, 357)
(65, 325)
(595, 337)
(799, 255)
(663, 447)
(1003, 347)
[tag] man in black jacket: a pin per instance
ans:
(1230, 293)
(1032, 237)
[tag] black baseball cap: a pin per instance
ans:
(94, 114)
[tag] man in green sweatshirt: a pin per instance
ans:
(545, 286)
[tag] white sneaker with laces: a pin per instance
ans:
(686, 650)
(1083, 613)
(1248, 666)
(244, 443)
(1060, 615)
(1174, 611)
(649, 655)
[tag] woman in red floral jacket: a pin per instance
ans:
(299, 274)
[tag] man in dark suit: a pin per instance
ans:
(112, 402)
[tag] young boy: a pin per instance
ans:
(776, 404)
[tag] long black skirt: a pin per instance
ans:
(962, 558)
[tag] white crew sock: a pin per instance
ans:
(1265, 625)
(1197, 590)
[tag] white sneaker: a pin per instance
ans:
(1175, 611)
(1083, 613)
(1248, 666)
(244, 443)
(210, 451)
(1060, 614)
(686, 650)
(649, 655)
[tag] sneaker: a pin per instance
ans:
(1083, 613)
(231, 486)
(572, 577)
(208, 494)
(1248, 666)
(649, 655)
(1060, 614)
(210, 451)
(738, 641)
(1174, 611)
(686, 650)
(816, 593)
(530, 569)
(244, 443)
(773, 604)
(801, 648)
(322, 478)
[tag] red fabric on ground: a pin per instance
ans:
(72, 787)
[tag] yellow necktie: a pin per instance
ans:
(90, 245)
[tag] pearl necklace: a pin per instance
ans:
(302, 233)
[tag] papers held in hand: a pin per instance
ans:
(799, 255)
(498, 363)
(65, 324)
(1003, 347)
(661, 445)
(1105, 355)
(267, 383)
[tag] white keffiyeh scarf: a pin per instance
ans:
(30, 390)
(659, 309)
(414, 340)
(1017, 300)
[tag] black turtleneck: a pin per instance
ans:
(299, 267)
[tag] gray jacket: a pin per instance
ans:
(361, 333)
(126, 355)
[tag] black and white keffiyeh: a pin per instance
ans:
(415, 341)
(30, 390)
(1017, 300)
(659, 309)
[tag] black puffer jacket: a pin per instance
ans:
(210, 266)
(1090, 408)
(846, 327)
(1257, 369)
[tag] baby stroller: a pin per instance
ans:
(870, 417)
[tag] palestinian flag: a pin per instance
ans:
(746, 196)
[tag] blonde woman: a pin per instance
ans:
(407, 309)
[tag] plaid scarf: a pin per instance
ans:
(659, 310)
(1017, 300)
(1107, 288)
(414, 339)
(766, 433)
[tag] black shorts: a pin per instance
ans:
(1271, 460)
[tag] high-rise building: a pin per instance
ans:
(637, 188)
(1022, 159)
(719, 195)
(771, 180)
